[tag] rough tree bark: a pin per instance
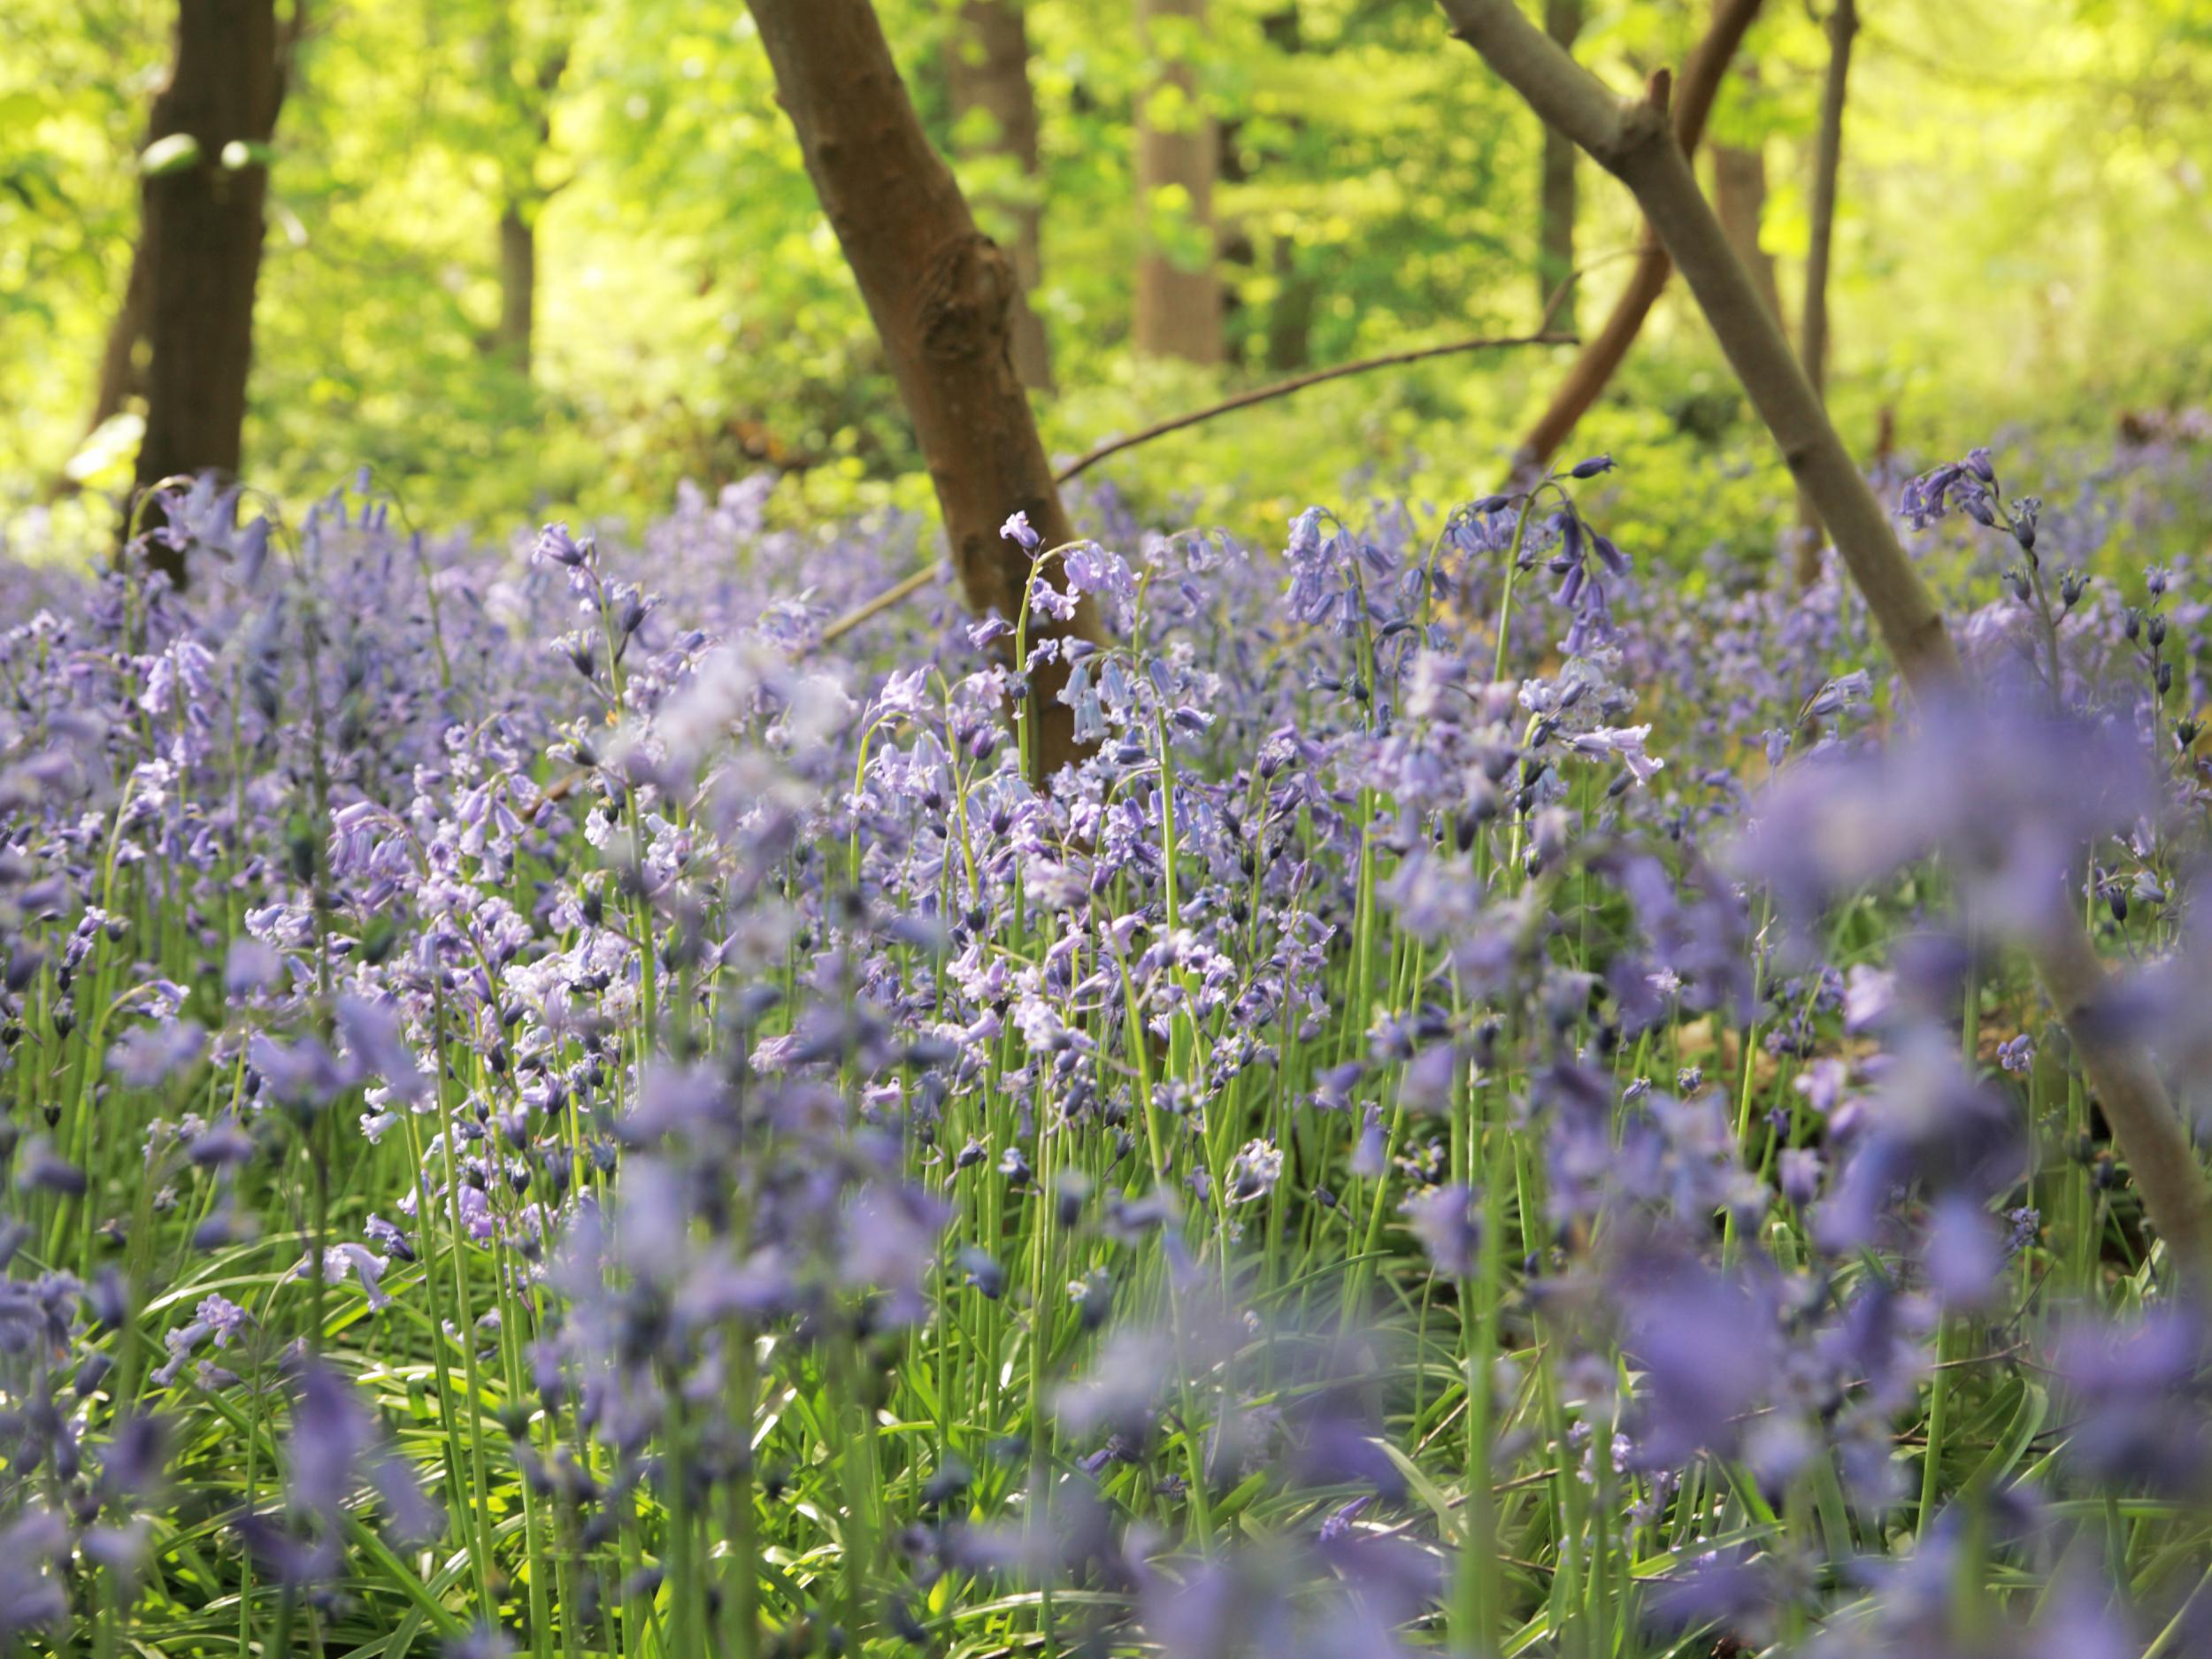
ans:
(201, 239)
(987, 72)
(1635, 142)
(940, 293)
(1602, 352)
(1178, 302)
(1555, 204)
(1812, 351)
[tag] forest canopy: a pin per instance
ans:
(2013, 174)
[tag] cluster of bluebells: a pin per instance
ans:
(558, 1112)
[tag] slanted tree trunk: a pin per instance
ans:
(941, 294)
(201, 241)
(1603, 353)
(1843, 23)
(1555, 204)
(121, 376)
(1740, 199)
(1635, 142)
(1178, 294)
(988, 75)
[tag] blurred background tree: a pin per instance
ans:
(528, 257)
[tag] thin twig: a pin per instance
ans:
(906, 587)
(1298, 383)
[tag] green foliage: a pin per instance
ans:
(2002, 216)
(73, 91)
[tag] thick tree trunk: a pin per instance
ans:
(1555, 206)
(518, 287)
(1739, 200)
(1602, 354)
(988, 72)
(940, 293)
(1178, 294)
(1635, 142)
(201, 240)
(1843, 23)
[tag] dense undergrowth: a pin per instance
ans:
(1496, 1112)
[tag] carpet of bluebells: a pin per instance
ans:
(1498, 1110)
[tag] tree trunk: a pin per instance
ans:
(201, 242)
(1587, 379)
(1555, 255)
(1290, 314)
(1635, 143)
(518, 287)
(941, 294)
(521, 196)
(1290, 317)
(988, 72)
(1178, 294)
(1740, 199)
(1843, 23)
(122, 377)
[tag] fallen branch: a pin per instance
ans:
(1603, 354)
(1635, 141)
(1298, 383)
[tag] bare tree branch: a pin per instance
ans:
(1812, 351)
(1298, 383)
(906, 587)
(1843, 23)
(1634, 141)
(1603, 354)
(913, 583)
